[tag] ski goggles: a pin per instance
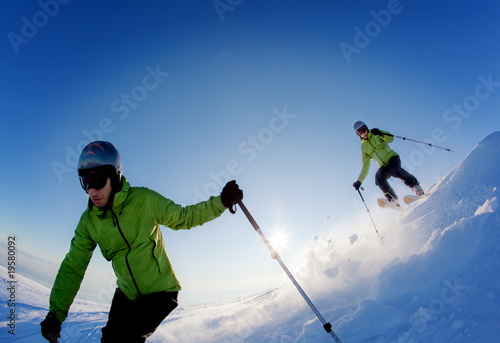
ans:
(361, 130)
(96, 181)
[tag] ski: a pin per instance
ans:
(408, 199)
(384, 203)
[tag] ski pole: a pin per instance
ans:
(413, 140)
(274, 255)
(368, 211)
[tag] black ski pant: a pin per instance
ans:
(134, 321)
(393, 168)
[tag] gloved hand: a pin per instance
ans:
(231, 194)
(357, 184)
(51, 328)
(376, 132)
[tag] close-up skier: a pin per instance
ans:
(125, 222)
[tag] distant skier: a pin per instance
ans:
(125, 222)
(375, 145)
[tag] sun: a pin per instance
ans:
(279, 239)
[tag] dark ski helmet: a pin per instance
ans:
(358, 125)
(100, 157)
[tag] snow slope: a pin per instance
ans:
(434, 277)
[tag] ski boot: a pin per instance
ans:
(417, 190)
(392, 197)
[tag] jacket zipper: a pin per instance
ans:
(375, 151)
(115, 220)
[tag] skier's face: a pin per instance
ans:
(362, 132)
(100, 197)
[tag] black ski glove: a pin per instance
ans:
(51, 328)
(357, 184)
(376, 132)
(231, 194)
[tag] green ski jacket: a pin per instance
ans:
(129, 236)
(375, 147)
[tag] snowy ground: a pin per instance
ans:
(433, 277)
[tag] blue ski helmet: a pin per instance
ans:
(101, 156)
(358, 125)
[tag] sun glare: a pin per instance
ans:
(279, 240)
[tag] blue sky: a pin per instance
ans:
(191, 92)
